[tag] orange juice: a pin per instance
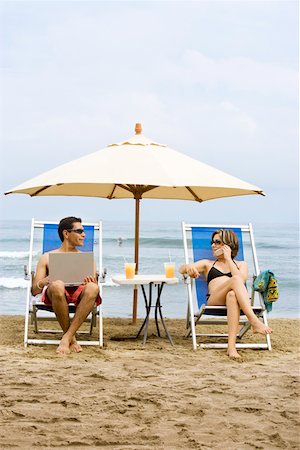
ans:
(170, 270)
(129, 270)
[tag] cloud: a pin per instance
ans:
(240, 118)
(228, 106)
(235, 74)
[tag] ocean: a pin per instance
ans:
(276, 244)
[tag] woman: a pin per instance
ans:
(226, 284)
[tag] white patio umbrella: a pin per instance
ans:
(137, 168)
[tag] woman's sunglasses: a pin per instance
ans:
(77, 230)
(217, 242)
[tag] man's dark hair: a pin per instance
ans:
(66, 224)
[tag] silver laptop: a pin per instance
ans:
(71, 267)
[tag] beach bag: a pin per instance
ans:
(267, 284)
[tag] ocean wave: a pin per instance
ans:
(13, 283)
(270, 245)
(146, 242)
(16, 255)
(14, 240)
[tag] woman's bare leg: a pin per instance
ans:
(233, 317)
(236, 285)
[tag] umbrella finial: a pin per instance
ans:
(138, 128)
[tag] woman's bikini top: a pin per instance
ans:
(215, 273)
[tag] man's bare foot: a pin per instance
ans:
(261, 328)
(64, 347)
(232, 353)
(75, 347)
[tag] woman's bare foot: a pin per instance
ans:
(75, 347)
(232, 353)
(261, 328)
(64, 347)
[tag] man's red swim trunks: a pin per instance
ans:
(72, 294)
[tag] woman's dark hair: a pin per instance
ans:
(66, 224)
(229, 238)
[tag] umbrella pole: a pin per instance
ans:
(136, 256)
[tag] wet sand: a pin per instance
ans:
(130, 396)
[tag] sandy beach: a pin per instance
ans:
(130, 396)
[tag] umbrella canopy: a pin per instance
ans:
(137, 168)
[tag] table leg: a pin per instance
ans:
(158, 307)
(159, 289)
(148, 311)
(145, 324)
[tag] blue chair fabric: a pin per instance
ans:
(51, 238)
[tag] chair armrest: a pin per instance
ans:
(26, 274)
(101, 278)
(186, 278)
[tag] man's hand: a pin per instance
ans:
(90, 280)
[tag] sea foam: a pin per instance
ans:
(13, 283)
(18, 255)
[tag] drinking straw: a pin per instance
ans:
(124, 259)
(170, 256)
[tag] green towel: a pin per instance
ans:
(267, 284)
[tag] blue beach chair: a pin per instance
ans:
(197, 245)
(44, 237)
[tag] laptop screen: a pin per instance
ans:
(71, 267)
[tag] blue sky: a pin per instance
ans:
(215, 80)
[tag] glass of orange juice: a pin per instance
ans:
(129, 270)
(170, 270)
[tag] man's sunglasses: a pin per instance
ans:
(217, 242)
(77, 230)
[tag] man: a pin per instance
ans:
(56, 294)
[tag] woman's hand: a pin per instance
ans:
(227, 252)
(192, 271)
